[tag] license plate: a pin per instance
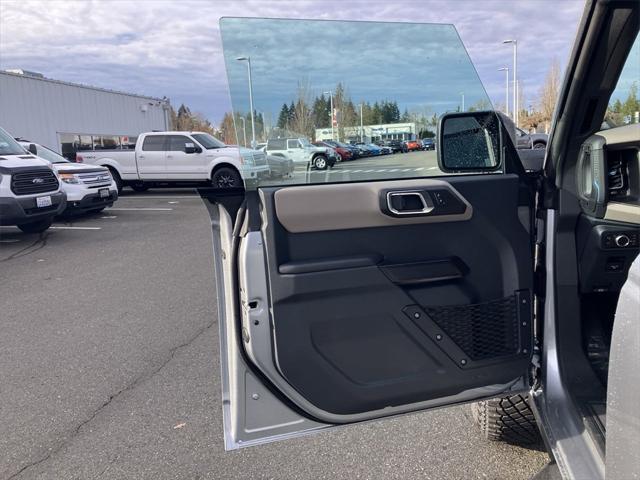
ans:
(43, 201)
(104, 192)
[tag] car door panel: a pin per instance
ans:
(447, 321)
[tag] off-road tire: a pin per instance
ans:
(539, 145)
(138, 187)
(37, 226)
(507, 419)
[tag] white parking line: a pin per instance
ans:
(433, 168)
(75, 228)
(10, 240)
(138, 209)
(109, 216)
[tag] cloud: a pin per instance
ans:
(174, 48)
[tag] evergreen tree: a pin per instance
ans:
(283, 117)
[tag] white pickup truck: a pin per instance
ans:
(179, 158)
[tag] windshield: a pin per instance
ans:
(8, 146)
(208, 141)
(624, 104)
(305, 142)
(286, 72)
(50, 155)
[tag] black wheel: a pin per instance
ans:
(320, 162)
(36, 227)
(226, 177)
(507, 419)
(140, 187)
(117, 180)
(540, 145)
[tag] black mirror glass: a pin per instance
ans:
(469, 142)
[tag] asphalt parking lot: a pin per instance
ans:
(109, 366)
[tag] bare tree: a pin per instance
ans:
(549, 91)
(302, 118)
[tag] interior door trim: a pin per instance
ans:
(315, 208)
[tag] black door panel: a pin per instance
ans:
(368, 318)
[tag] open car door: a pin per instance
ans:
(392, 285)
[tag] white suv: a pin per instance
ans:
(302, 152)
(89, 188)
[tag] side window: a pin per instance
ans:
(293, 143)
(276, 144)
(624, 104)
(153, 143)
(177, 143)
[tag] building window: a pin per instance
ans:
(70, 143)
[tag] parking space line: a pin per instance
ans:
(75, 228)
(433, 168)
(109, 216)
(118, 209)
(10, 240)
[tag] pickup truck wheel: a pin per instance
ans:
(320, 162)
(140, 188)
(116, 179)
(36, 227)
(507, 419)
(538, 145)
(226, 177)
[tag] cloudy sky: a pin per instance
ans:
(174, 49)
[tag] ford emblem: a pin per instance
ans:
(37, 180)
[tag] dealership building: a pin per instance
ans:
(371, 133)
(69, 117)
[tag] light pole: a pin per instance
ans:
(516, 107)
(253, 122)
(462, 93)
(506, 89)
(361, 127)
(331, 115)
(244, 130)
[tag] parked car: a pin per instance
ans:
(385, 150)
(280, 167)
(302, 152)
(375, 149)
(531, 140)
(30, 193)
(355, 152)
(428, 144)
(88, 188)
(362, 149)
(179, 158)
(396, 146)
(343, 154)
(413, 145)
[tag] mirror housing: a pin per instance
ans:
(191, 148)
(33, 149)
(470, 142)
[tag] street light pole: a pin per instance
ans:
(516, 107)
(361, 126)
(331, 115)
(506, 90)
(253, 122)
(244, 130)
(462, 93)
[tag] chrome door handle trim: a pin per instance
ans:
(427, 205)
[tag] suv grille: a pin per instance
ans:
(33, 181)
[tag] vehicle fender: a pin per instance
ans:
(113, 165)
(224, 161)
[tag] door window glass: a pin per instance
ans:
(313, 97)
(177, 143)
(153, 143)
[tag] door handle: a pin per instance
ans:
(409, 203)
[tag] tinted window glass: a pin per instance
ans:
(85, 143)
(153, 143)
(276, 144)
(177, 143)
(293, 144)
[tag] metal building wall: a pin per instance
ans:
(41, 109)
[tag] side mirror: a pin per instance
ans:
(191, 148)
(33, 149)
(469, 142)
